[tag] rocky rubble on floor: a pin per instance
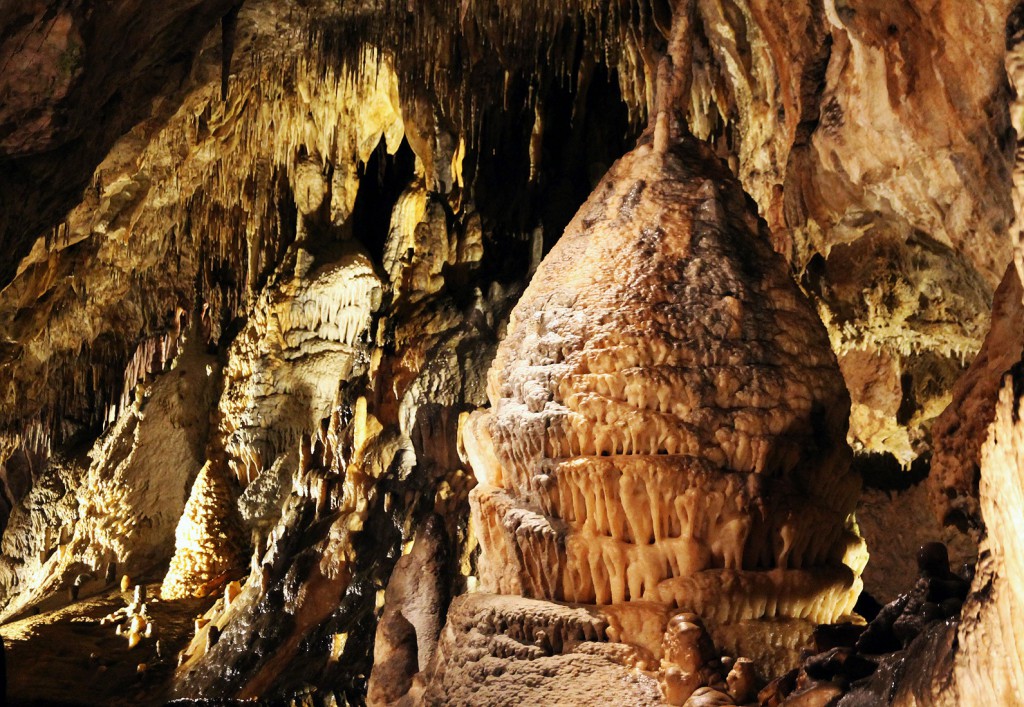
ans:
(134, 621)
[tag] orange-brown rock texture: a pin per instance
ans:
(667, 417)
(386, 340)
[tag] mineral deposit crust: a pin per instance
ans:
(668, 422)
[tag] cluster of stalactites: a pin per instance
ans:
(218, 218)
(543, 40)
(288, 116)
(153, 355)
(302, 337)
(324, 458)
(91, 381)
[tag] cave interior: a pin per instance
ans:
(512, 352)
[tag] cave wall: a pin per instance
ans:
(280, 242)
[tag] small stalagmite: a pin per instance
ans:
(207, 540)
(668, 422)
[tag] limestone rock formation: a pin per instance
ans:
(302, 338)
(414, 606)
(978, 660)
(71, 92)
(945, 504)
(990, 656)
(207, 548)
(272, 245)
(961, 430)
(124, 507)
(508, 651)
(668, 421)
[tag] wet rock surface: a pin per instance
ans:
(866, 664)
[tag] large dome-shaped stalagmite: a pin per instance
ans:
(667, 419)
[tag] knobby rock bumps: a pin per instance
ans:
(668, 421)
(207, 547)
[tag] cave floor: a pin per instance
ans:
(67, 657)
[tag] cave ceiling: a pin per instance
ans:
(881, 170)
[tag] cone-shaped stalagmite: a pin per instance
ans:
(206, 542)
(668, 421)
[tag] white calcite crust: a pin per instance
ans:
(207, 546)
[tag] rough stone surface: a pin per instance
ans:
(70, 93)
(558, 655)
(961, 430)
(990, 658)
(415, 604)
(302, 337)
(344, 200)
(207, 548)
(124, 508)
(897, 523)
(668, 422)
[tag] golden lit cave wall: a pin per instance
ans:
(47, 273)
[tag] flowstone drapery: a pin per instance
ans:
(667, 420)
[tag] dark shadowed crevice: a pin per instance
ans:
(381, 181)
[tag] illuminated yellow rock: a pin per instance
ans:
(207, 548)
(283, 370)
